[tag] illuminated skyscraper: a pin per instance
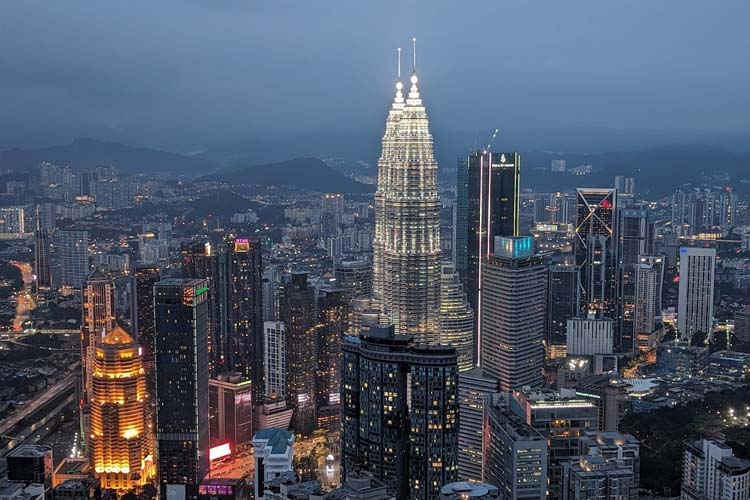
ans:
(181, 351)
(333, 323)
(695, 302)
(142, 309)
(241, 277)
(120, 445)
(456, 317)
(491, 208)
(297, 311)
(407, 254)
(98, 312)
(514, 304)
(73, 253)
(596, 246)
(399, 412)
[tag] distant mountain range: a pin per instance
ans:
(84, 154)
(306, 173)
(657, 171)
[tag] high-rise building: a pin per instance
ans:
(200, 261)
(634, 241)
(644, 305)
(331, 214)
(270, 293)
(515, 454)
(695, 301)
(456, 317)
(120, 446)
(354, 277)
(142, 284)
(557, 165)
(659, 263)
(513, 313)
(596, 245)
(235, 273)
(98, 317)
(12, 221)
(230, 403)
(742, 325)
(710, 470)
(274, 360)
(73, 251)
(333, 323)
(473, 387)
(406, 248)
(493, 209)
(297, 311)
(562, 302)
(42, 258)
(563, 419)
(241, 306)
(400, 412)
(181, 352)
(590, 336)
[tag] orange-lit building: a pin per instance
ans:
(120, 443)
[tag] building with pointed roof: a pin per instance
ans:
(407, 254)
(120, 444)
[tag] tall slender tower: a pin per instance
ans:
(407, 256)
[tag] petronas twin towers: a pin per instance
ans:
(407, 254)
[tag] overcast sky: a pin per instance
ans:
(196, 73)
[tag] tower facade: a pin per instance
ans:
(98, 304)
(596, 245)
(120, 447)
(492, 209)
(399, 412)
(142, 309)
(73, 248)
(297, 311)
(514, 305)
(695, 299)
(456, 317)
(181, 352)
(407, 254)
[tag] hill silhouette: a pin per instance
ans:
(302, 173)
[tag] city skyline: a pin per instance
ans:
(439, 323)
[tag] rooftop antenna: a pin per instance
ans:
(414, 54)
(399, 63)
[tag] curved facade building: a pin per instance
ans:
(407, 255)
(120, 445)
(456, 317)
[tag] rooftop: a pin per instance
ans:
(31, 451)
(468, 489)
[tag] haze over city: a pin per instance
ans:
(341, 250)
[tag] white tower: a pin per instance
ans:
(407, 255)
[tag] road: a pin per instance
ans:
(33, 433)
(24, 298)
(67, 383)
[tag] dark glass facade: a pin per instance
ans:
(492, 209)
(181, 352)
(400, 412)
(297, 311)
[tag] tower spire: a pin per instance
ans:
(399, 64)
(398, 101)
(414, 54)
(413, 90)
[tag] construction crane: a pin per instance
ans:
(492, 139)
